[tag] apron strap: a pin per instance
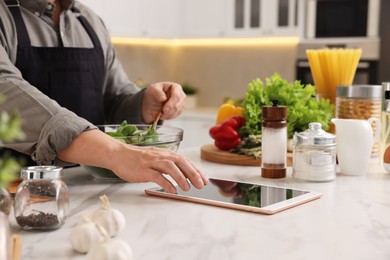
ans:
(23, 38)
(12, 3)
(91, 32)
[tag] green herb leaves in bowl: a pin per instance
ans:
(139, 135)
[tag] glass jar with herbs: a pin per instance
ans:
(41, 200)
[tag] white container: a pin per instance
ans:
(355, 139)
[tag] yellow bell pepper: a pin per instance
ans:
(226, 111)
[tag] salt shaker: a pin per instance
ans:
(314, 154)
(41, 200)
(274, 141)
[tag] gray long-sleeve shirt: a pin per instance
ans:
(50, 128)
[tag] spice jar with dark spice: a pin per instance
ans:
(41, 200)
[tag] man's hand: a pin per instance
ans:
(133, 163)
(156, 100)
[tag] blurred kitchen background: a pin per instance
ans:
(219, 46)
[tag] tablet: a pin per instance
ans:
(257, 198)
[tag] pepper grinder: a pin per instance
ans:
(274, 141)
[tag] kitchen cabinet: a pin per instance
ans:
(286, 17)
(201, 18)
(265, 17)
(162, 18)
(122, 18)
(140, 18)
(205, 18)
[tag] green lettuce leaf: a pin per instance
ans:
(303, 107)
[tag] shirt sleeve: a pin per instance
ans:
(48, 127)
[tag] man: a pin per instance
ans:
(58, 68)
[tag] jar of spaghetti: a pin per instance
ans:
(359, 102)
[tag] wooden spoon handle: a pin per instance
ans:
(168, 93)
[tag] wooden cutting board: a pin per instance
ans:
(210, 152)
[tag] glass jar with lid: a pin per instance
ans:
(41, 200)
(314, 154)
(359, 102)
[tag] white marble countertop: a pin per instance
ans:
(350, 221)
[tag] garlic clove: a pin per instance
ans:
(84, 235)
(112, 220)
(109, 248)
(112, 248)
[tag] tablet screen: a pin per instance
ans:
(241, 195)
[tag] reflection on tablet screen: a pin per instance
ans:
(239, 193)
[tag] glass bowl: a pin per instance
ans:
(165, 137)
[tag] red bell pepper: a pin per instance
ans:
(225, 134)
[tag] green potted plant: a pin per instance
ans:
(10, 129)
(192, 95)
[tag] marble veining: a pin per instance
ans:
(350, 221)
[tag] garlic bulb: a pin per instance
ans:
(110, 248)
(112, 220)
(83, 235)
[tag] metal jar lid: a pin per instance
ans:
(41, 172)
(359, 91)
(314, 136)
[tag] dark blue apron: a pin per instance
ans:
(72, 76)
